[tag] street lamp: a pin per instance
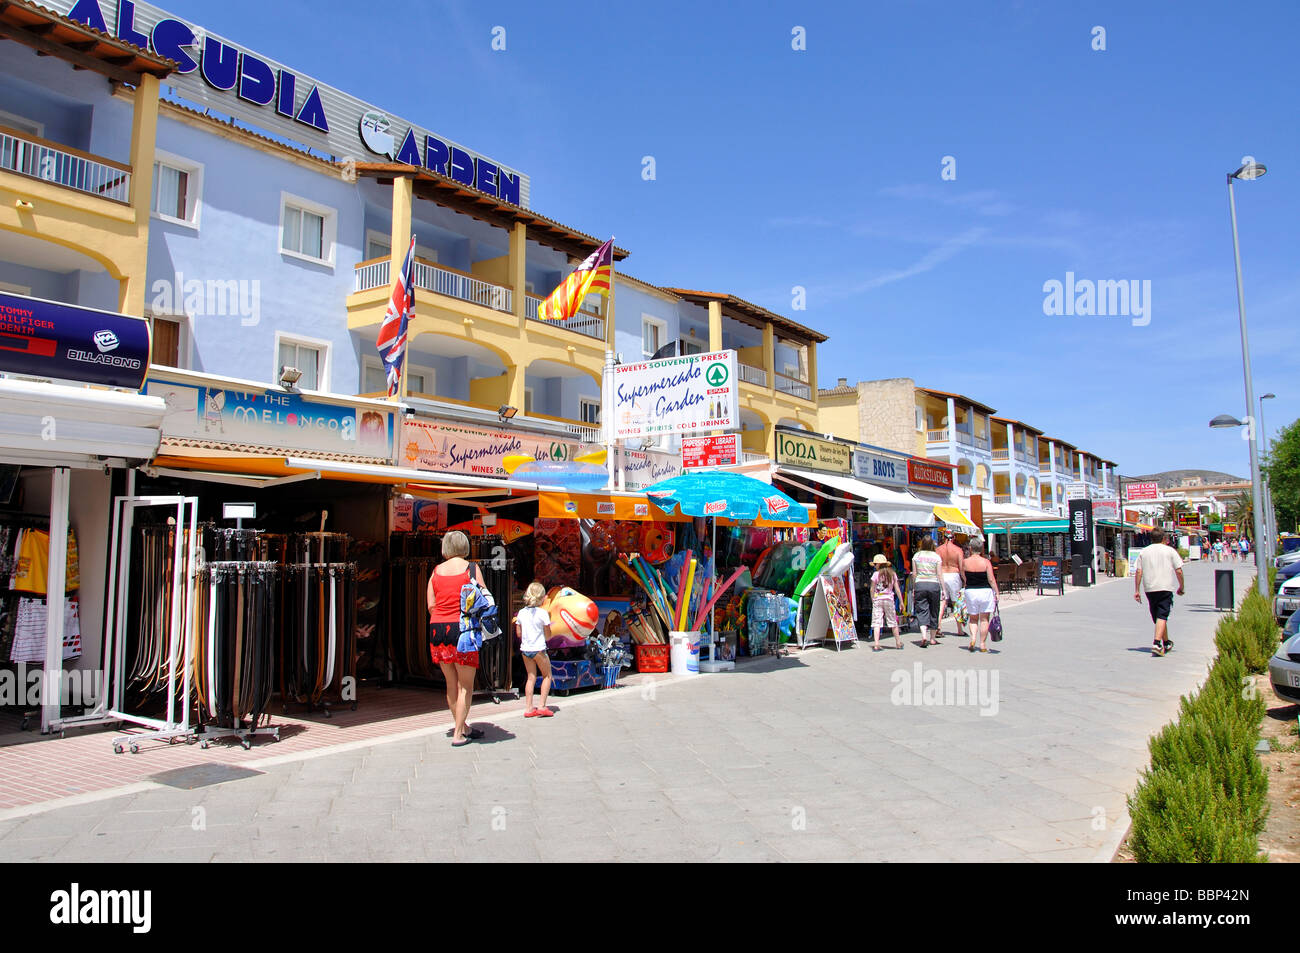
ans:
(1248, 172)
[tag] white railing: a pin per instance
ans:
(749, 456)
(1001, 497)
(1000, 455)
(1024, 457)
(936, 436)
(753, 375)
(373, 275)
(793, 386)
(583, 432)
(1044, 466)
(453, 284)
(46, 162)
(584, 322)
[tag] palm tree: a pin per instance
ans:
(1241, 510)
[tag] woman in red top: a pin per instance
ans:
(458, 668)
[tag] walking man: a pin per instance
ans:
(954, 578)
(1159, 566)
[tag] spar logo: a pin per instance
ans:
(106, 341)
(775, 504)
(715, 507)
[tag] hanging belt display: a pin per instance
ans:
(310, 548)
(235, 616)
(224, 543)
(414, 556)
(316, 646)
(155, 601)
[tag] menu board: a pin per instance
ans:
(1051, 575)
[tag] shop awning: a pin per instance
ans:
(44, 424)
(600, 506)
(891, 507)
(1030, 526)
(955, 520)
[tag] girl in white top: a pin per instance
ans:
(533, 628)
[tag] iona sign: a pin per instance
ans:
(812, 453)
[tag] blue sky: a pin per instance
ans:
(821, 168)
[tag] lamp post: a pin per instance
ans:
(1270, 531)
(1249, 172)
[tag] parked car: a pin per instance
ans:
(1284, 669)
(1287, 600)
(1287, 572)
(1287, 559)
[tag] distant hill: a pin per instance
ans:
(1170, 478)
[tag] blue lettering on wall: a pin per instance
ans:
(88, 12)
(312, 112)
(220, 64)
(409, 152)
(170, 37)
(288, 95)
(462, 166)
(485, 176)
(436, 155)
(256, 80)
(508, 186)
(126, 25)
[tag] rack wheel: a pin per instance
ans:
(203, 745)
(26, 724)
(135, 748)
(495, 700)
(246, 743)
(117, 747)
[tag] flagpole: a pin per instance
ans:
(401, 370)
(607, 377)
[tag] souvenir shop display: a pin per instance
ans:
(316, 635)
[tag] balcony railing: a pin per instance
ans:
(1001, 497)
(584, 322)
(749, 456)
(65, 166)
(1000, 456)
(936, 436)
(793, 386)
(753, 375)
(437, 278)
(1024, 457)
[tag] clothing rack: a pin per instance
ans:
(316, 652)
(235, 620)
(228, 544)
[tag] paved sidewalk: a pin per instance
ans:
(805, 758)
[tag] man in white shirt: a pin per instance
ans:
(1159, 566)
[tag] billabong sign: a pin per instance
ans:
(69, 342)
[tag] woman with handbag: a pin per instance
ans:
(981, 593)
(458, 668)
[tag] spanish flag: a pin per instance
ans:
(592, 276)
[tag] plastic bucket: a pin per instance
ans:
(684, 654)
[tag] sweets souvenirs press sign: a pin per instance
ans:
(686, 394)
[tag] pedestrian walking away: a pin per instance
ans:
(981, 593)
(927, 588)
(884, 587)
(533, 628)
(953, 579)
(1159, 567)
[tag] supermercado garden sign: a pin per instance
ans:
(231, 79)
(812, 453)
(688, 394)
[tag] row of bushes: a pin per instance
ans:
(1205, 796)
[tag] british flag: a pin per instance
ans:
(392, 333)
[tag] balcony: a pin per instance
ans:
(587, 323)
(62, 165)
(793, 386)
(428, 276)
(1001, 456)
(749, 374)
(936, 436)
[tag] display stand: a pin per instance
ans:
(831, 616)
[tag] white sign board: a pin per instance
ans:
(691, 394)
(1076, 491)
(879, 469)
(1105, 510)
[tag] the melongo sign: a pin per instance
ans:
(213, 71)
(812, 453)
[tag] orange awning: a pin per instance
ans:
(597, 506)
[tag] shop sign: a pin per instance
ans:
(643, 468)
(722, 450)
(1081, 537)
(279, 419)
(930, 474)
(412, 516)
(686, 395)
(477, 451)
(69, 342)
(233, 80)
(1141, 491)
(1077, 491)
(875, 468)
(1106, 509)
(812, 453)
(1230, 529)
(1189, 520)
(1132, 516)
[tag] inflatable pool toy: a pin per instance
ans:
(815, 567)
(841, 561)
(573, 618)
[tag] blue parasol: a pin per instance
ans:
(733, 495)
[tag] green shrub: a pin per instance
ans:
(1183, 552)
(1229, 680)
(1233, 639)
(1181, 816)
(1256, 614)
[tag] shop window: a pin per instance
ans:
(177, 188)
(653, 334)
(379, 245)
(589, 411)
(310, 357)
(166, 342)
(419, 380)
(307, 230)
